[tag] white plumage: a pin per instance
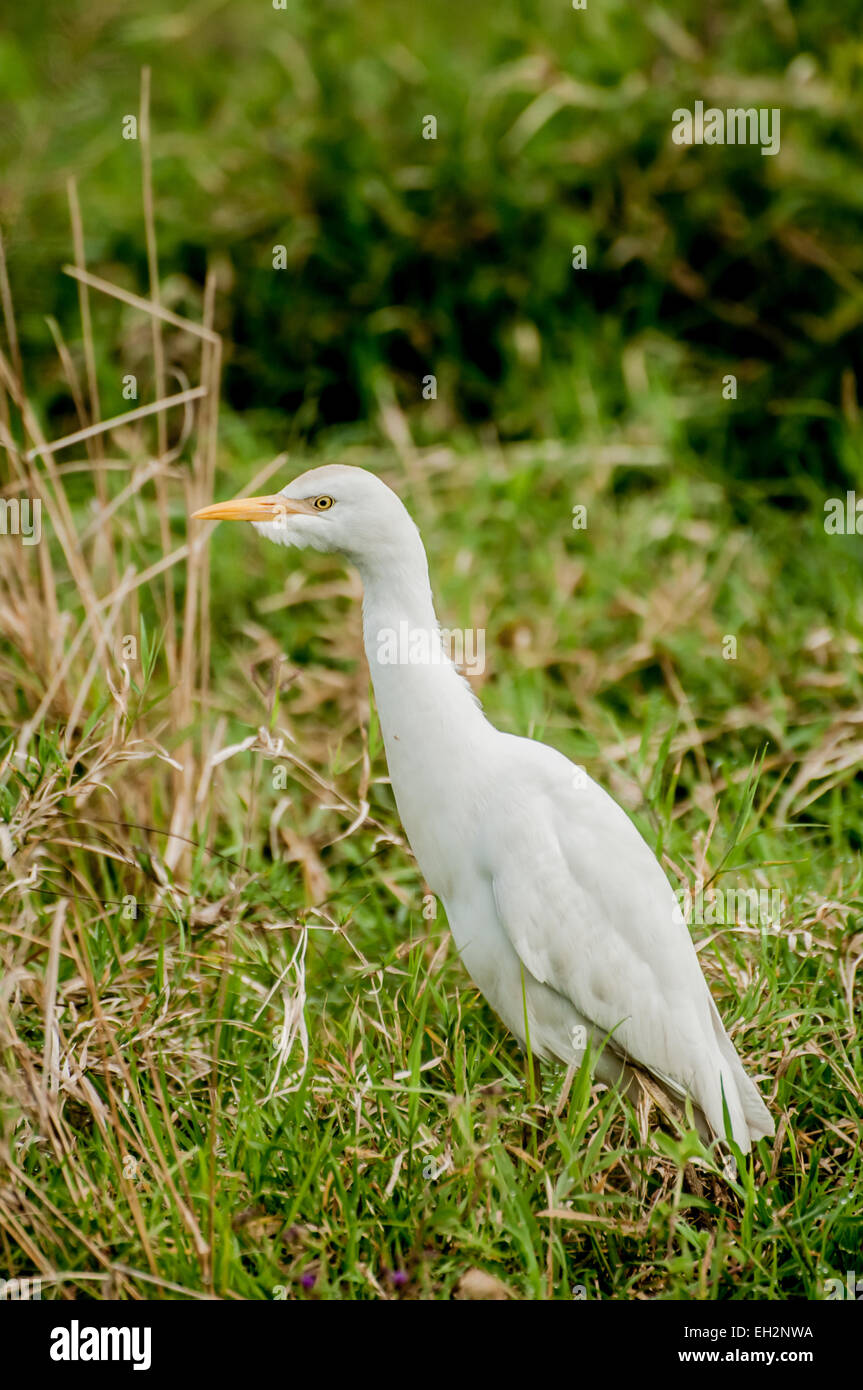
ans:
(554, 899)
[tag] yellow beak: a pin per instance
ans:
(253, 509)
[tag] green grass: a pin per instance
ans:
(406, 257)
(238, 1053)
(408, 1151)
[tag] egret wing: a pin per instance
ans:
(590, 913)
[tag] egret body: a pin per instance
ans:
(559, 909)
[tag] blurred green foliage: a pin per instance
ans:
(303, 127)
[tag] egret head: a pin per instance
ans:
(333, 508)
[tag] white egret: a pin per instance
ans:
(560, 911)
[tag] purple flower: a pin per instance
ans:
(308, 1280)
(399, 1277)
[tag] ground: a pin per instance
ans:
(247, 1060)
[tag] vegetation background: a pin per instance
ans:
(238, 1055)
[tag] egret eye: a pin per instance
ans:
(323, 504)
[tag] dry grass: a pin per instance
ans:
(237, 1056)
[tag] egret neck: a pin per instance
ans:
(431, 721)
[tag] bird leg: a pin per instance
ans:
(533, 1086)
